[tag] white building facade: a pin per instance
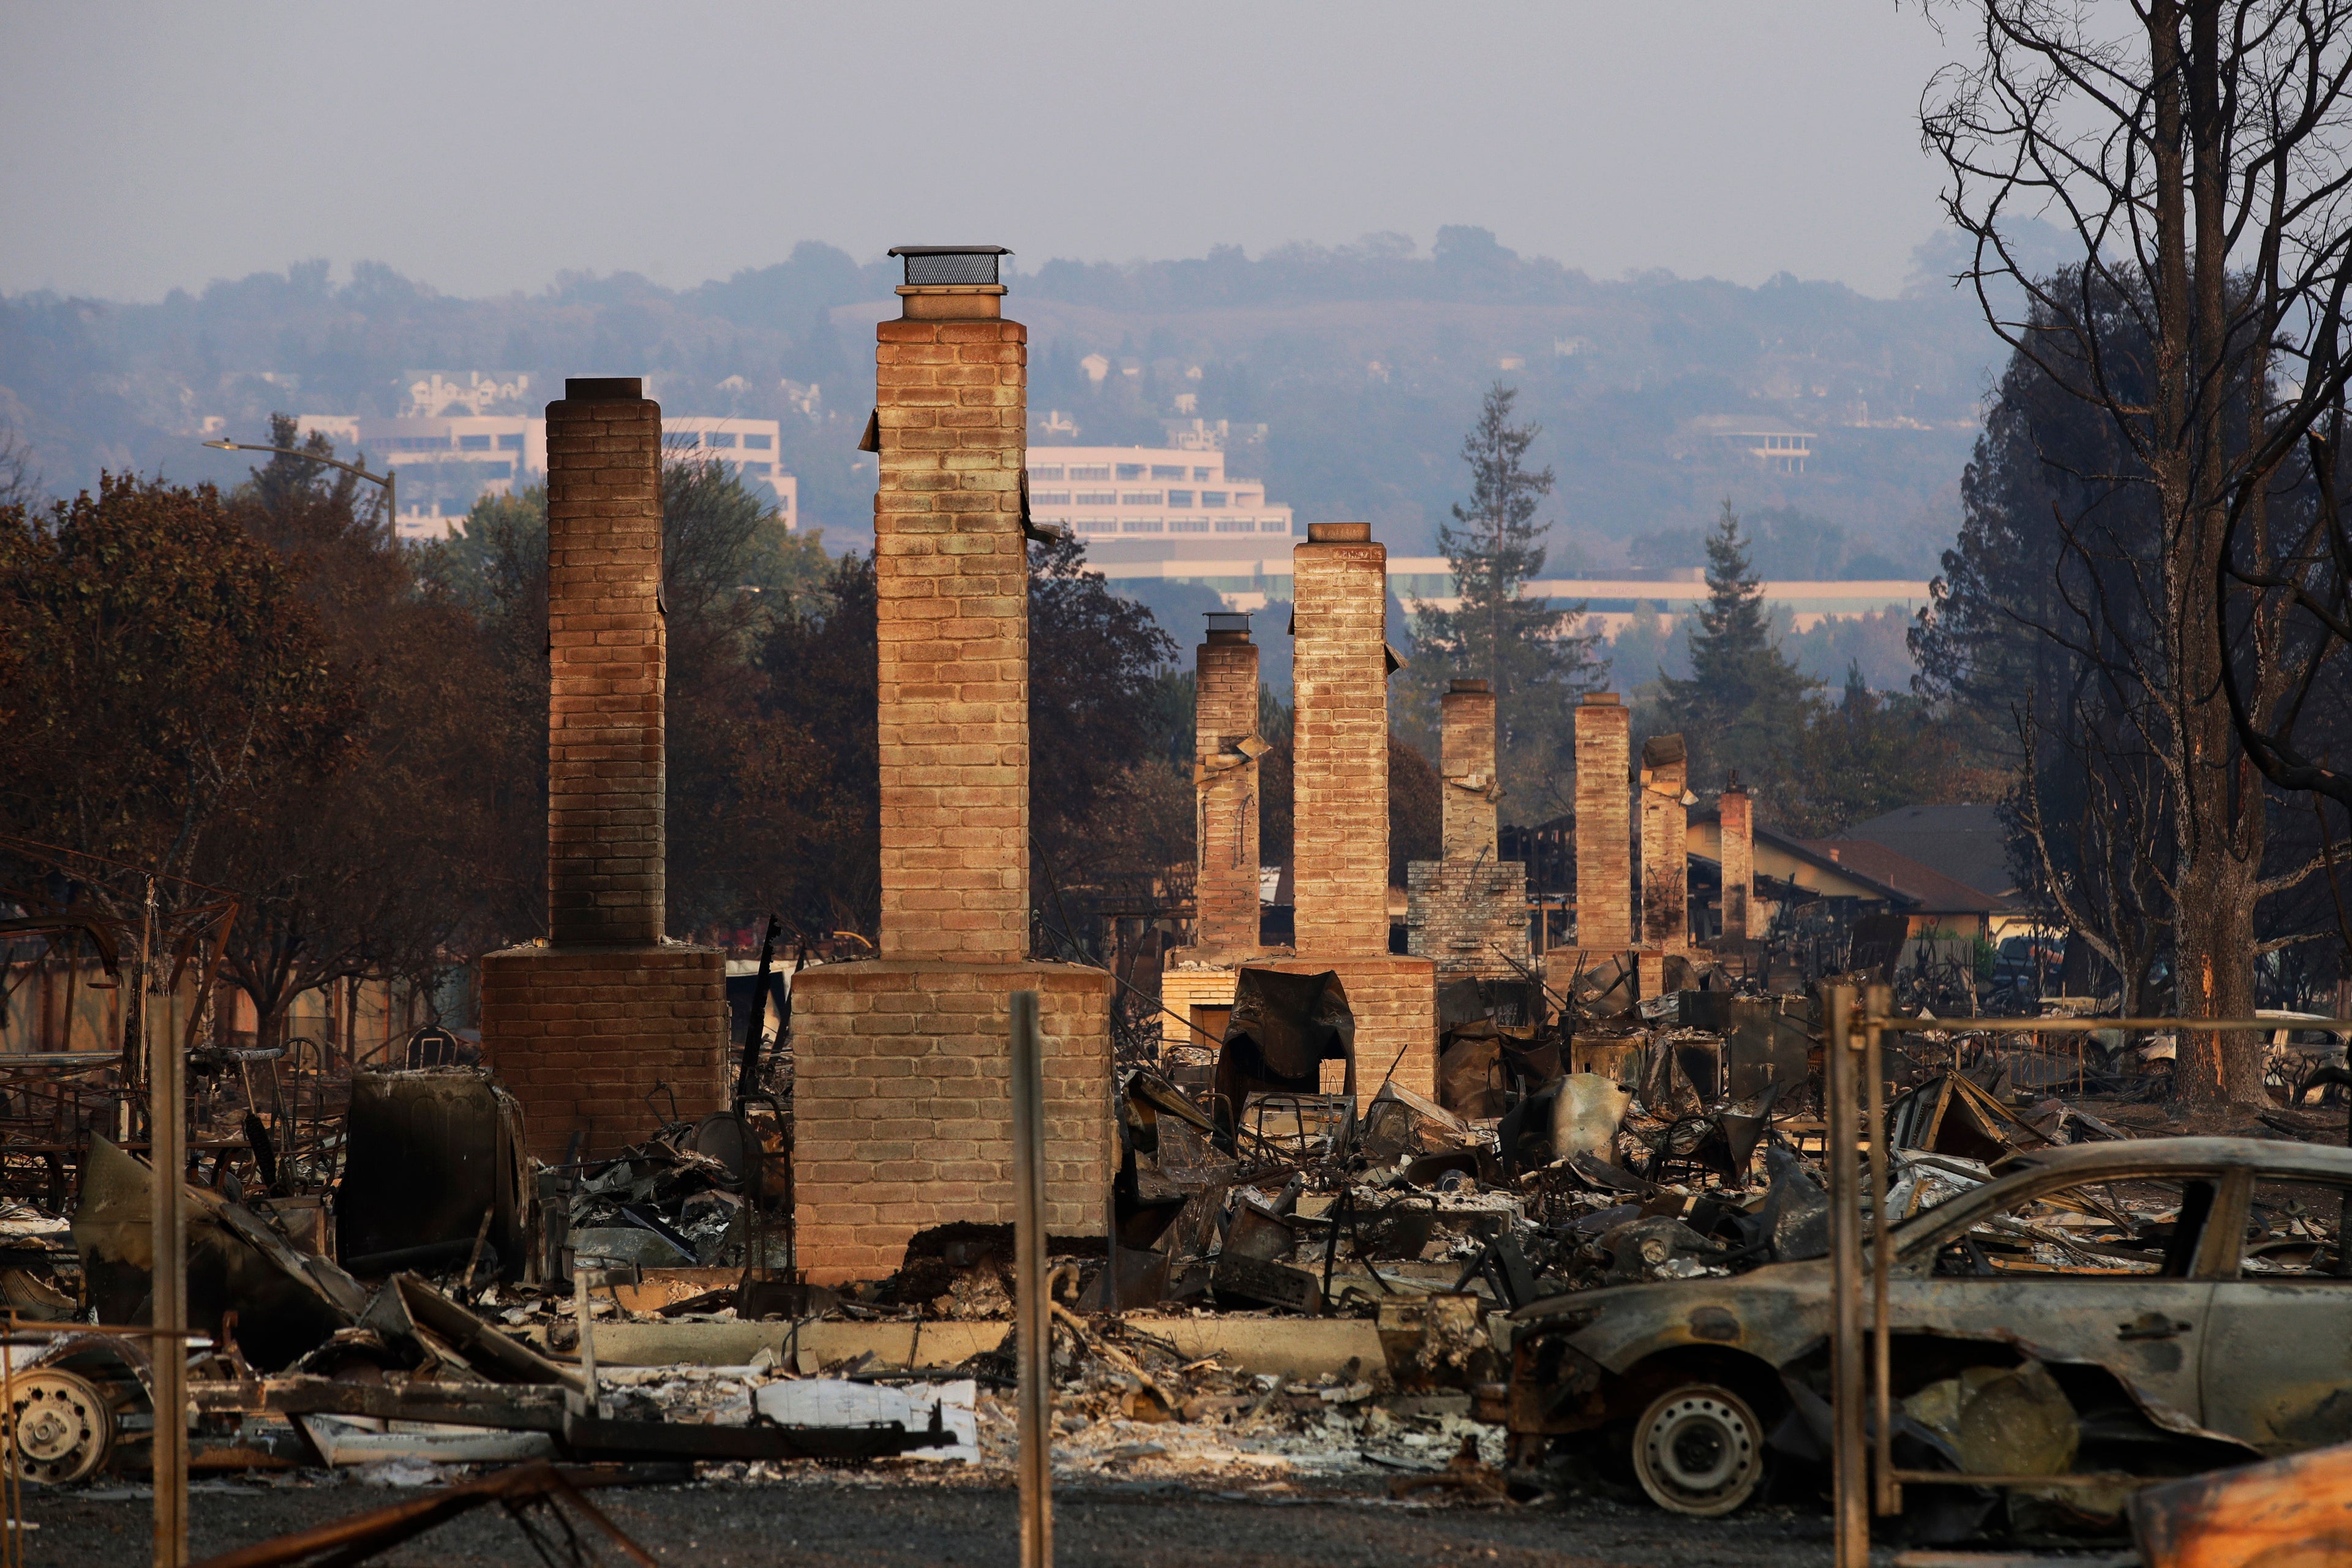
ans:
(1147, 493)
(446, 461)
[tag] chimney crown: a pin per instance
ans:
(1339, 533)
(1467, 686)
(602, 389)
(1601, 699)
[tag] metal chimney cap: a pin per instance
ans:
(949, 265)
(1228, 623)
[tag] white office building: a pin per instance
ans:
(444, 462)
(1153, 495)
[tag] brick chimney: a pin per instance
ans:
(902, 1109)
(1340, 665)
(1339, 776)
(1736, 815)
(1466, 744)
(606, 665)
(1604, 847)
(1665, 852)
(1226, 773)
(583, 1029)
(1467, 912)
(952, 611)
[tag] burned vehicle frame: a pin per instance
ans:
(2175, 1342)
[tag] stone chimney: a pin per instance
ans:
(952, 612)
(1226, 748)
(902, 1108)
(1339, 789)
(1604, 837)
(1466, 745)
(1666, 852)
(583, 1029)
(606, 665)
(1736, 814)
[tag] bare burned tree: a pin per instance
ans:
(2196, 149)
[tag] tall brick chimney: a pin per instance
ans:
(1340, 665)
(1604, 847)
(1665, 850)
(1225, 740)
(1466, 748)
(1736, 814)
(901, 1102)
(584, 1029)
(952, 611)
(1340, 743)
(607, 665)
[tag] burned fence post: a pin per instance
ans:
(1850, 1510)
(1032, 1312)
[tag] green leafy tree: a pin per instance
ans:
(1527, 648)
(1745, 707)
(1869, 754)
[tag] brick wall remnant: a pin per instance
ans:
(1736, 814)
(1604, 864)
(1225, 773)
(1665, 848)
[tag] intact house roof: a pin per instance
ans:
(1928, 890)
(1965, 844)
(1839, 869)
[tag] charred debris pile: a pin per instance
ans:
(407, 1285)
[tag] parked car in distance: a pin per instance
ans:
(2151, 1307)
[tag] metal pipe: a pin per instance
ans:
(1849, 1511)
(168, 1231)
(1030, 1321)
(1880, 999)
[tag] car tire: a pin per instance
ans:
(1699, 1450)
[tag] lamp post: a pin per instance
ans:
(391, 494)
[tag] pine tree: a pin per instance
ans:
(1745, 707)
(1527, 648)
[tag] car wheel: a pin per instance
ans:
(1699, 1450)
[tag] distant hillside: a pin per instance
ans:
(1364, 363)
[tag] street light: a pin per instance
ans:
(391, 495)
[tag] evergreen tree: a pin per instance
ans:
(1527, 648)
(1745, 707)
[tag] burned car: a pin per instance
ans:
(2142, 1308)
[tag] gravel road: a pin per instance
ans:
(887, 1521)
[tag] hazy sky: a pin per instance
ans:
(481, 148)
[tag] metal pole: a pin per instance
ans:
(1850, 1511)
(1880, 1001)
(168, 1228)
(1030, 1319)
